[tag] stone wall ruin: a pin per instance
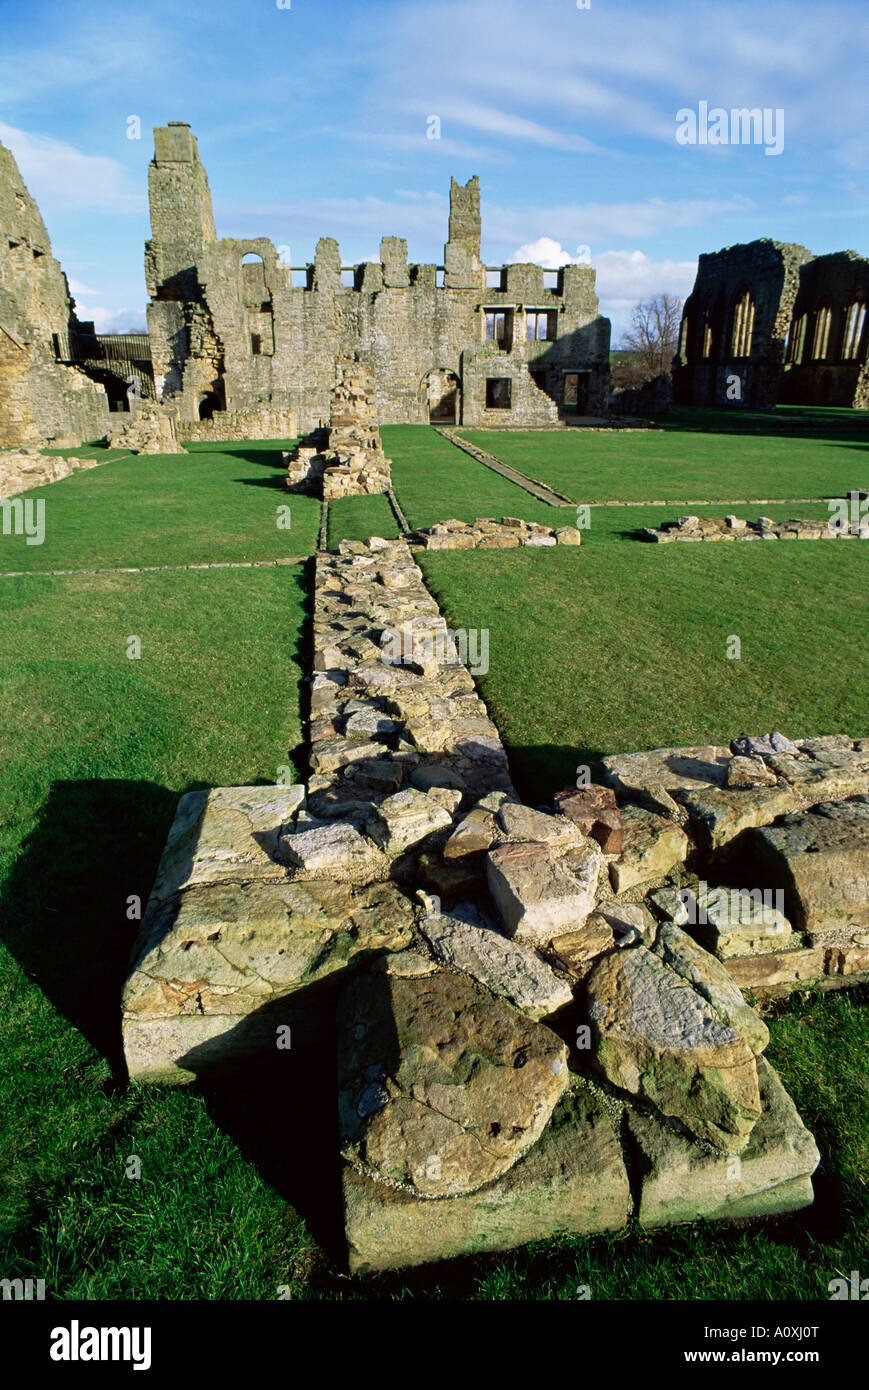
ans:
(538, 1025)
(234, 328)
(787, 326)
(46, 399)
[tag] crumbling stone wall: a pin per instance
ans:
(234, 328)
(44, 398)
(803, 348)
(769, 270)
(263, 422)
(831, 284)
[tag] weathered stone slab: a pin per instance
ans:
(472, 835)
(406, 819)
(655, 1037)
(732, 921)
(573, 1181)
(578, 951)
(820, 860)
(507, 968)
(441, 1087)
(711, 980)
(334, 851)
(681, 1181)
(652, 847)
(674, 769)
(218, 952)
(226, 833)
(819, 780)
(523, 823)
(720, 814)
(536, 897)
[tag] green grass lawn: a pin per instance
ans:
(622, 645)
(434, 480)
(357, 518)
(210, 504)
(727, 458)
(616, 645)
(96, 749)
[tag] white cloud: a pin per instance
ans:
(56, 172)
(626, 277)
(111, 320)
(544, 251)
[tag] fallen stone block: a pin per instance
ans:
(712, 981)
(573, 1181)
(406, 819)
(674, 769)
(536, 897)
(820, 860)
(441, 1086)
(681, 1181)
(333, 851)
(652, 847)
(655, 1037)
(507, 968)
(719, 814)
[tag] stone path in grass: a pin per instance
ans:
(157, 569)
(506, 470)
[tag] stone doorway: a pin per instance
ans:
(575, 391)
(441, 392)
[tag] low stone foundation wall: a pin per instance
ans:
(734, 528)
(266, 422)
(537, 1025)
(488, 534)
(23, 469)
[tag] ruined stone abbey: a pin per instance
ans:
(232, 328)
(242, 345)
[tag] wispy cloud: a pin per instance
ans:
(58, 172)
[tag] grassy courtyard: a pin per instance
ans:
(808, 453)
(613, 646)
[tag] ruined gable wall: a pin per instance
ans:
(42, 398)
(836, 280)
(770, 270)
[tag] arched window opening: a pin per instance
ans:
(821, 340)
(855, 322)
(743, 325)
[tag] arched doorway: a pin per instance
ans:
(441, 390)
(208, 405)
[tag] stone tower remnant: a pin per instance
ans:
(351, 461)
(45, 397)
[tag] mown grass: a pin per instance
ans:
(357, 518)
(434, 480)
(207, 505)
(96, 749)
(622, 645)
(721, 456)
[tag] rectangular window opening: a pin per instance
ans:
(499, 393)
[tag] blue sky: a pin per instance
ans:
(313, 121)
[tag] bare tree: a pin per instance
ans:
(653, 337)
